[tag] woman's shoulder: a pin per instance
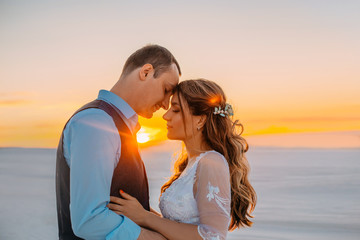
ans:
(212, 159)
(213, 169)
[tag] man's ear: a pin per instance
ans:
(145, 71)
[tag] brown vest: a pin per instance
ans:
(129, 174)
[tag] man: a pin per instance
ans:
(98, 155)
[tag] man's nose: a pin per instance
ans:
(165, 103)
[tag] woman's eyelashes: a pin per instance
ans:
(175, 110)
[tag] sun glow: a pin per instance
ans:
(142, 137)
(147, 135)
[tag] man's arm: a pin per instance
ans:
(93, 143)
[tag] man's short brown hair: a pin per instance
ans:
(159, 57)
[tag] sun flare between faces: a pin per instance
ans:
(147, 136)
(142, 137)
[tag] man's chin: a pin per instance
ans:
(147, 115)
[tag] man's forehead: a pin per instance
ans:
(171, 82)
(172, 85)
(177, 76)
(172, 79)
(175, 69)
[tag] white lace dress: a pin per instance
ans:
(201, 196)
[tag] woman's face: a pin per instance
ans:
(175, 123)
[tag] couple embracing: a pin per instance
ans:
(101, 185)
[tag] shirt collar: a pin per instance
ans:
(119, 103)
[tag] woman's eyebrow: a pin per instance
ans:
(174, 103)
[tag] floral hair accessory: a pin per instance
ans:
(228, 111)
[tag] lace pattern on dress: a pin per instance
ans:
(210, 207)
(177, 202)
(214, 194)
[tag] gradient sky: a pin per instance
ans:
(287, 67)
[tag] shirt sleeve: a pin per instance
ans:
(93, 144)
(213, 196)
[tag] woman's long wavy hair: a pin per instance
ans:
(220, 134)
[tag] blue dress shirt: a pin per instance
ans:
(92, 148)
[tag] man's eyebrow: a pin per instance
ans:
(170, 86)
(173, 86)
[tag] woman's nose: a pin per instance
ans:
(166, 116)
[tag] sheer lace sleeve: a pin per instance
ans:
(213, 196)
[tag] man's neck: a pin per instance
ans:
(125, 90)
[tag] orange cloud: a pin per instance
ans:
(17, 94)
(19, 98)
(18, 102)
(309, 119)
(341, 139)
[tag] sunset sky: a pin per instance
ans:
(291, 69)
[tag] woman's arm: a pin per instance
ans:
(146, 234)
(172, 230)
(155, 212)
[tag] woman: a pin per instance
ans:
(209, 192)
